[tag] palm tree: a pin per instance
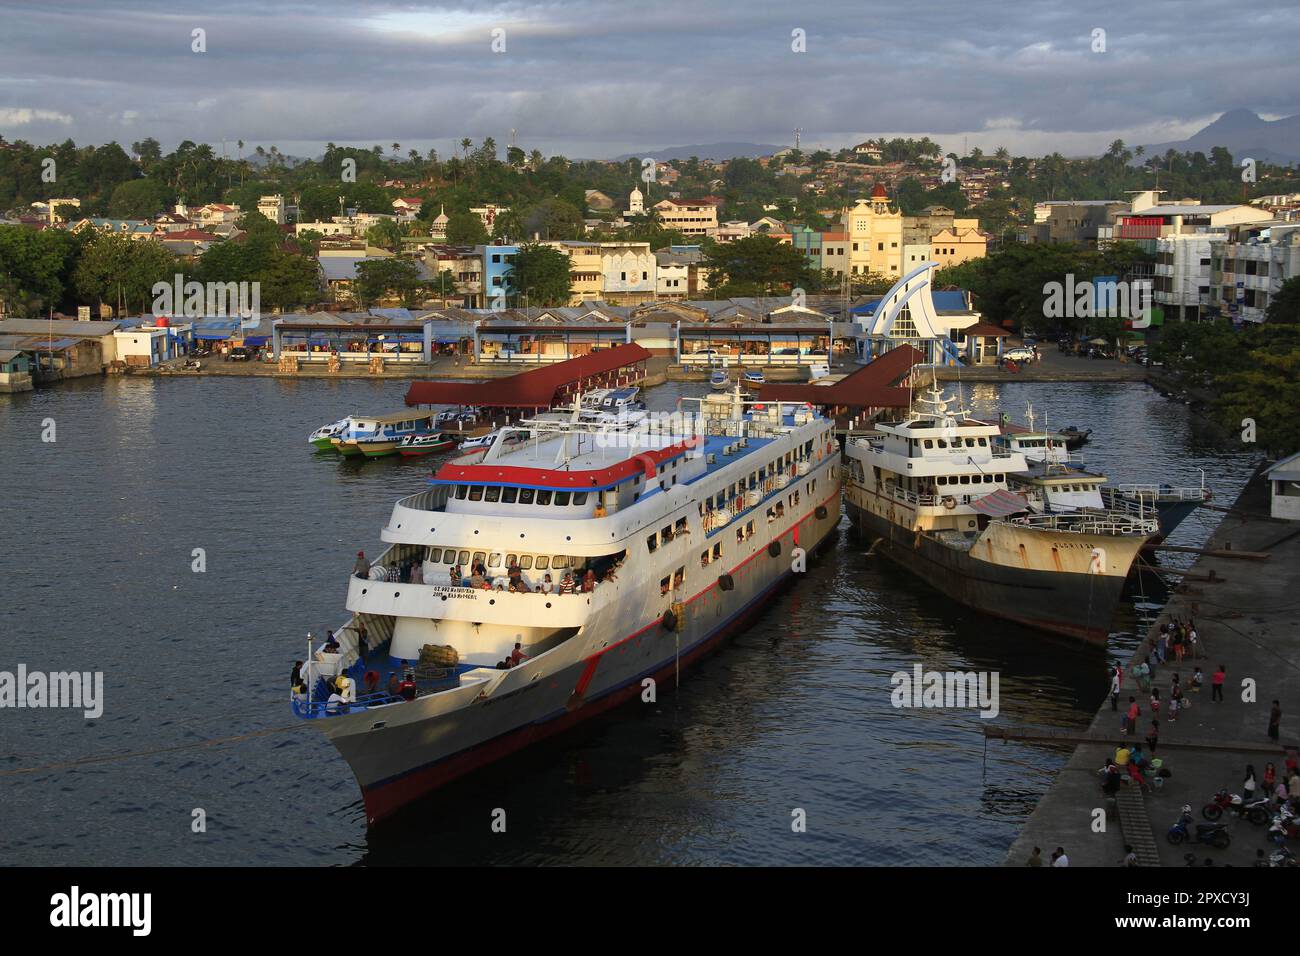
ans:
(465, 144)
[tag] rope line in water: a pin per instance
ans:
(112, 758)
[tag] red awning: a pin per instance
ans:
(536, 388)
(872, 386)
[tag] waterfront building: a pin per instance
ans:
(629, 272)
(1284, 488)
(875, 230)
(933, 323)
(1248, 266)
(586, 269)
(498, 271)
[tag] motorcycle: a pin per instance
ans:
(1256, 811)
(1214, 834)
(1285, 826)
(1278, 858)
(193, 364)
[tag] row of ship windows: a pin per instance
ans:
(523, 496)
(956, 442)
(969, 479)
(543, 562)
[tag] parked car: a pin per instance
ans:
(240, 354)
(1018, 354)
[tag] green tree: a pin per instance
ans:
(465, 229)
(1285, 306)
(138, 199)
(122, 272)
(35, 268)
(554, 219)
(396, 276)
(759, 263)
(541, 273)
(385, 234)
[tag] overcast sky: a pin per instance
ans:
(596, 78)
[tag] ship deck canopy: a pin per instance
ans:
(535, 388)
(1000, 504)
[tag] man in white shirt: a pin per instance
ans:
(1059, 858)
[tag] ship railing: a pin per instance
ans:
(1164, 492)
(1087, 522)
(310, 710)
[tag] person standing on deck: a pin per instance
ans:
(1114, 690)
(362, 567)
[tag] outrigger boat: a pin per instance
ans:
(413, 446)
(322, 439)
(378, 436)
(933, 493)
(678, 531)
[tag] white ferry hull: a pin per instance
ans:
(404, 751)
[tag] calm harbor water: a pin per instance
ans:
(100, 533)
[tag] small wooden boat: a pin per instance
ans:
(413, 446)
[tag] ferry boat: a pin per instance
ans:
(322, 439)
(1036, 444)
(933, 494)
(680, 531)
(416, 446)
(377, 436)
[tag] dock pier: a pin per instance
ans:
(1246, 614)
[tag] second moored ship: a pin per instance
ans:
(932, 494)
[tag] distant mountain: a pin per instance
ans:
(1242, 133)
(706, 151)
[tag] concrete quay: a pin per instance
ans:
(1246, 618)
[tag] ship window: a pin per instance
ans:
(681, 526)
(663, 585)
(929, 443)
(679, 576)
(740, 534)
(435, 555)
(449, 556)
(464, 557)
(965, 479)
(579, 497)
(479, 556)
(508, 495)
(988, 479)
(652, 542)
(717, 551)
(983, 442)
(494, 560)
(560, 561)
(749, 529)
(461, 491)
(942, 443)
(543, 562)
(492, 494)
(666, 533)
(543, 497)
(562, 498)
(525, 562)
(704, 558)
(525, 496)
(476, 493)
(512, 560)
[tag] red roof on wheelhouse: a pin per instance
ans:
(535, 388)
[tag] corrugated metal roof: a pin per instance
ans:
(872, 386)
(535, 388)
